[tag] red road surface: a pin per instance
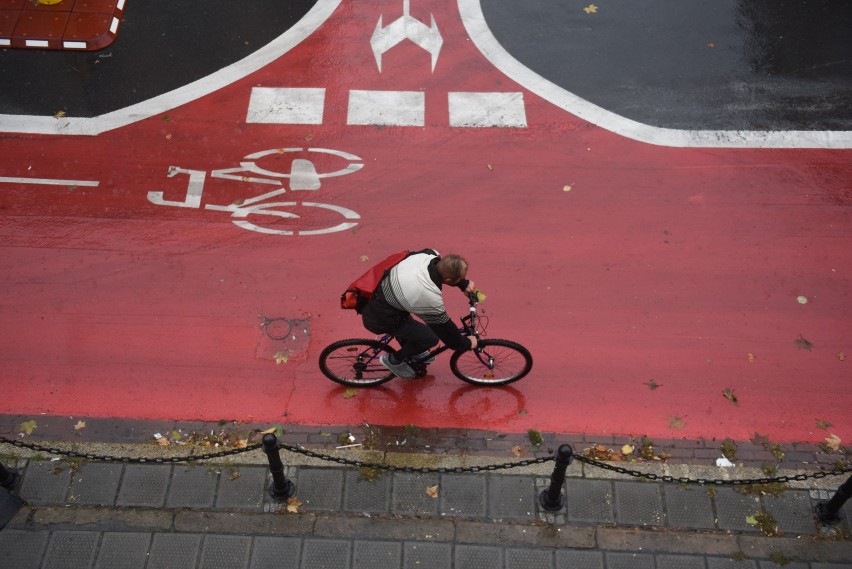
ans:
(681, 267)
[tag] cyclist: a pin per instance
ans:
(414, 287)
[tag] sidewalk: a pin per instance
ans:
(90, 513)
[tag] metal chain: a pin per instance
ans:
(717, 482)
(422, 470)
(107, 458)
(426, 470)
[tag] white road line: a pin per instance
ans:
(49, 182)
(32, 124)
(480, 34)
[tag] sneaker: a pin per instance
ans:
(401, 369)
(422, 355)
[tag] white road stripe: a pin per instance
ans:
(49, 182)
(480, 34)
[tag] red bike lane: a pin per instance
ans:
(646, 280)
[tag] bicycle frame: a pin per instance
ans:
(468, 328)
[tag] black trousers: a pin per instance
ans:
(414, 337)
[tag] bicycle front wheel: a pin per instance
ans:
(355, 363)
(494, 362)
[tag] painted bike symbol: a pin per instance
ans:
(303, 176)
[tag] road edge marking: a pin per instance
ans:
(480, 34)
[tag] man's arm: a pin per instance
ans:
(450, 335)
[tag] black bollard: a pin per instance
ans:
(281, 488)
(829, 512)
(552, 499)
(8, 478)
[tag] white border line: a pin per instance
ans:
(49, 182)
(474, 22)
(32, 124)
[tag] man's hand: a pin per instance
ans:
(470, 288)
(472, 342)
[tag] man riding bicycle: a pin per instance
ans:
(414, 287)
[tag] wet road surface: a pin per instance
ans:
(143, 258)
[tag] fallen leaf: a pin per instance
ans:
(626, 449)
(169, 136)
(522, 411)
(350, 393)
(176, 436)
(59, 114)
(590, 9)
(364, 258)
(802, 299)
(269, 431)
(490, 167)
(516, 450)
(750, 357)
(711, 45)
(824, 425)
(832, 442)
(27, 427)
(309, 137)
(759, 439)
(241, 443)
(163, 442)
(751, 520)
(80, 425)
(281, 358)
(841, 356)
(432, 491)
(166, 118)
(234, 475)
(56, 470)
(293, 505)
(566, 188)
(804, 344)
(652, 385)
(729, 395)
(676, 423)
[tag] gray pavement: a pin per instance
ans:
(90, 513)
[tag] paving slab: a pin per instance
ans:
(221, 515)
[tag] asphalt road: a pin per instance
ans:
(705, 64)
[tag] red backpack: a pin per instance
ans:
(361, 290)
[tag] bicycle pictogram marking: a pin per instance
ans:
(303, 176)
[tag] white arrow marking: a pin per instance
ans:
(410, 28)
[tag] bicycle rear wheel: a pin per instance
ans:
(494, 362)
(355, 363)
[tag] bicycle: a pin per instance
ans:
(355, 362)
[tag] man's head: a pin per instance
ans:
(452, 268)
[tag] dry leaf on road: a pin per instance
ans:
(676, 423)
(832, 442)
(281, 357)
(293, 505)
